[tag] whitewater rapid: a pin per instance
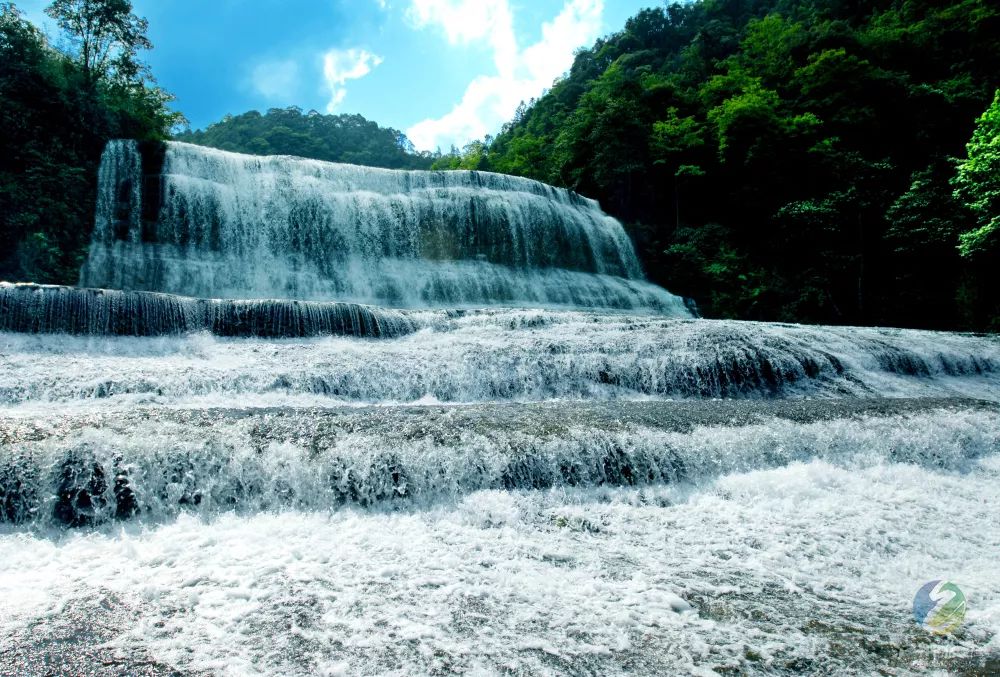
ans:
(90, 469)
(501, 355)
(495, 492)
(809, 567)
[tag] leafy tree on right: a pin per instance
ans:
(977, 185)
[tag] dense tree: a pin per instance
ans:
(977, 184)
(472, 156)
(107, 33)
(334, 138)
(57, 112)
(784, 159)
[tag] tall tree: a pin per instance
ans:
(109, 36)
(57, 113)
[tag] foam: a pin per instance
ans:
(504, 355)
(808, 567)
(201, 222)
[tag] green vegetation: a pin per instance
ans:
(57, 112)
(334, 138)
(788, 160)
(977, 185)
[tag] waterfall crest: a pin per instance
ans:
(207, 223)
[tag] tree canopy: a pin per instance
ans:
(107, 33)
(784, 159)
(977, 184)
(57, 112)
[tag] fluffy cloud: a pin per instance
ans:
(276, 79)
(467, 21)
(490, 100)
(341, 65)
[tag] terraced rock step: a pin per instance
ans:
(500, 355)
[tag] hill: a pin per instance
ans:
(334, 138)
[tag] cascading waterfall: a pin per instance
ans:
(322, 419)
(206, 223)
(504, 355)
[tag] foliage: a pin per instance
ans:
(334, 138)
(58, 111)
(977, 184)
(471, 157)
(108, 34)
(785, 159)
(773, 159)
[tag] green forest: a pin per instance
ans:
(57, 112)
(828, 161)
(831, 161)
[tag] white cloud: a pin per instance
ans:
(276, 79)
(490, 100)
(467, 21)
(341, 65)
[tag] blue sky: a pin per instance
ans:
(443, 71)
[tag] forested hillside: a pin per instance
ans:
(57, 112)
(789, 160)
(334, 138)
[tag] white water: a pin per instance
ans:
(46, 309)
(90, 469)
(489, 539)
(503, 355)
(806, 568)
(222, 225)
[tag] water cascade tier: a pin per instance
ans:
(304, 418)
(43, 309)
(501, 355)
(200, 222)
(85, 470)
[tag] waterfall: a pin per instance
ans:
(307, 418)
(500, 356)
(207, 223)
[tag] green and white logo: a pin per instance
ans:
(939, 607)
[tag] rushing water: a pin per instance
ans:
(311, 419)
(89, 469)
(46, 309)
(499, 356)
(582, 504)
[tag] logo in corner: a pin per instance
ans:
(939, 607)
